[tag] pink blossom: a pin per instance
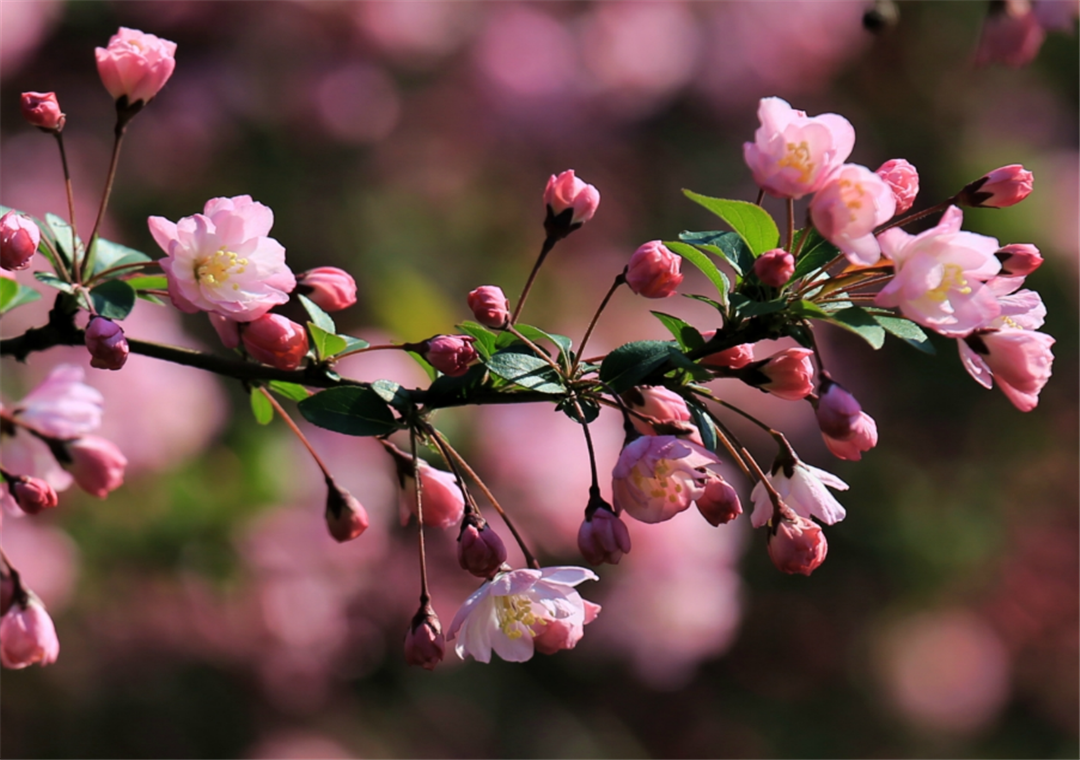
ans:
(25, 454)
(19, 239)
(793, 154)
(272, 339)
(837, 410)
(802, 487)
(442, 500)
(603, 537)
(653, 271)
(62, 406)
(664, 406)
(1019, 259)
(222, 261)
(346, 518)
(135, 65)
(32, 494)
(863, 437)
(450, 354)
(940, 274)
(797, 546)
(425, 644)
(566, 191)
(657, 477)
(1011, 35)
(903, 179)
(106, 342)
(720, 503)
(510, 611)
(27, 636)
(847, 208)
(480, 550)
(329, 288)
(788, 374)
(774, 268)
(1001, 188)
(97, 464)
(1019, 360)
(563, 633)
(42, 110)
(735, 357)
(489, 305)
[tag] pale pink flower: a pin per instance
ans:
(788, 374)
(903, 179)
(19, 239)
(489, 305)
(719, 503)
(1011, 35)
(329, 288)
(735, 357)
(62, 406)
(801, 487)
(566, 191)
(27, 636)
(847, 208)
(42, 110)
(653, 271)
(940, 276)
(451, 354)
(135, 65)
(862, 437)
(1003, 187)
(97, 464)
(603, 537)
(1019, 259)
(510, 611)
(792, 154)
(222, 261)
(480, 550)
(106, 342)
(775, 267)
(443, 503)
(657, 477)
(1019, 360)
(275, 340)
(797, 546)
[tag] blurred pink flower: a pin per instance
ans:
(19, 238)
(96, 464)
(62, 406)
(848, 207)
(657, 477)
(135, 65)
(653, 271)
(1011, 35)
(31, 494)
(903, 179)
(802, 487)
(27, 636)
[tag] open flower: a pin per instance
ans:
(657, 477)
(848, 207)
(802, 488)
(135, 65)
(1019, 360)
(509, 614)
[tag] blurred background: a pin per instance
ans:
(204, 612)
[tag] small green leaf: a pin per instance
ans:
(815, 253)
(326, 344)
(705, 264)
(148, 282)
(687, 335)
(527, 370)
(291, 391)
(113, 299)
(61, 234)
(862, 324)
(705, 299)
(351, 410)
(13, 294)
(108, 254)
(808, 310)
(752, 222)
(351, 344)
(907, 331)
(485, 338)
(53, 281)
(704, 424)
(432, 373)
(727, 245)
(393, 394)
(151, 298)
(628, 364)
(261, 407)
(746, 307)
(535, 334)
(688, 365)
(589, 408)
(318, 316)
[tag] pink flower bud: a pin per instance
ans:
(797, 546)
(775, 267)
(603, 538)
(27, 636)
(1000, 188)
(903, 179)
(450, 354)
(1019, 259)
(863, 437)
(720, 503)
(735, 357)
(489, 305)
(330, 288)
(19, 238)
(346, 517)
(566, 191)
(33, 494)
(97, 464)
(443, 503)
(272, 339)
(41, 109)
(106, 342)
(556, 634)
(135, 65)
(788, 374)
(480, 550)
(653, 271)
(1019, 360)
(837, 410)
(664, 406)
(425, 644)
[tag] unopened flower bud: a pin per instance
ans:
(450, 354)
(33, 494)
(653, 271)
(570, 203)
(788, 374)
(1000, 188)
(96, 464)
(720, 503)
(272, 339)
(797, 546)
(735, 357)
(664, 406)
(42, 110)
(603, 537)
(480, 550)
(106, 342)
(1011, 34)
(19, 238)
(903, 179)
(135, 65)
(1019, 259)
(346, 517)
(863, 437)
(442, 502)
(775, 267)
(27, 636)
(329, 288)
(489, 305)
(837, 410)
(425, 644)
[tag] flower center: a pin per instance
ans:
(851, 195)
(515, 609)
(214, 270)
(661, 484)
(952, 278)
(798, 157)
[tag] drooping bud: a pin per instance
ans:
(903, 179)
(720, 503)
(346, 517)
(106, 342)
(480, 550)
(775, 267)
(603, 537)
(863, 437)
(788, 374)
(443, 503)
(797, 545)
(837, 410)
(570, 203)
(653, 271)
(489, 305)
(425, 644)
(450, 354)
(96, 464)
(27, 635)
(1000, 188)
(135, 65)
(1011, 34)
(42, 110)
(735, 357)
(272, 339)
(667, 409)
(32, 494)
(1019, 259)
(19, 238)
(330, 288)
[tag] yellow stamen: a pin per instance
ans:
(216, 268)
(798, 157)
(951, 279)
(513, 609)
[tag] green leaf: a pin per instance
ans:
(907, 331)
(151, 298)
(589, 408)
(432, 373)
(113, 299)
(448, 391)
(527, 370)
(13, 294)
(705, 299)
(291, 391)
(727, 245)
(535, 334)
(148, 282)
(687, 335)
(485, 338)
(393, 394)
(808, 310)
(350, 410)
(862, 324)
(61, 234)
(752, 222)
(683, 362)
(261, 407)
(108, 254)
(318, 316)
(53, 281)
(705, 264)
(352, 344)
(704, 424)
(628, 364)
(815, 253)
(326, 343)
(746, 307)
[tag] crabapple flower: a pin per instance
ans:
(657, 477)
(1011, 34)
(1019, 360)
(1019, 259)
(480, 550)
(797, 546)
(603, 537)
(565, 192)
(720, 503)
(666, 407)
(19, 238)
(425, 644)
(222, 261)
(862, 437)
(42, 110)
(106, 342)
(96, 464)
(788, 374)
(27, 636)
(848, 207)
(903, 179)
(62, 406)
(450, 354)
(512, 610)
(443, 503)
(802, 487)
(735, 357)
(653, 271)
(940, 275)
(32, 495)
(775, 267)
(135, 65)
(489, 305)
(1000, 188)
(345, 516)
(275, 340)
(837, 410)
(792, 154)
(329, 288)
